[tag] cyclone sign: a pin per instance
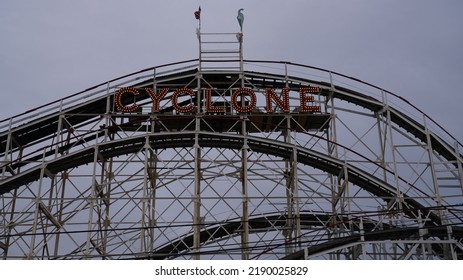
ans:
(306, 100)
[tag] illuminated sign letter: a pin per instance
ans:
(209, 107)
(283, 104)
(125, 108)
(156, 97)
(186, 108)
(304, 99)
(242, 91)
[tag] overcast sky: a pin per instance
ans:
(52, 48)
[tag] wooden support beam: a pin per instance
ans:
(49, 216)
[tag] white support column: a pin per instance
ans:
(333, 151)
(37, 201)
(459, 165)
(145, 198)
(244, 169)
(245, 198)
(399, 196)
(92, 200)
(429, 149)
(382, 136)
(362, 239)
(197, 195)
(59, 134)
(421, 232)
(289, 225)
(296, 200)
(64, 179)
(7, 159)
(153, 185)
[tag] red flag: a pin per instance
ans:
(198, 13)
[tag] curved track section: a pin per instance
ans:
(365, 176)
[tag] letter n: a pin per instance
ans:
(283, 104)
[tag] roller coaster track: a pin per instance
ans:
(318, 244)
(46, 126)
(35, 132)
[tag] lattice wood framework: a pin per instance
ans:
(367, 177)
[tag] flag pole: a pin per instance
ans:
(198, 32)
(197, 184)
(198, 17)
(240, 18)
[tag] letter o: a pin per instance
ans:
(238, 107)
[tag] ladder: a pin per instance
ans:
(220, 52)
